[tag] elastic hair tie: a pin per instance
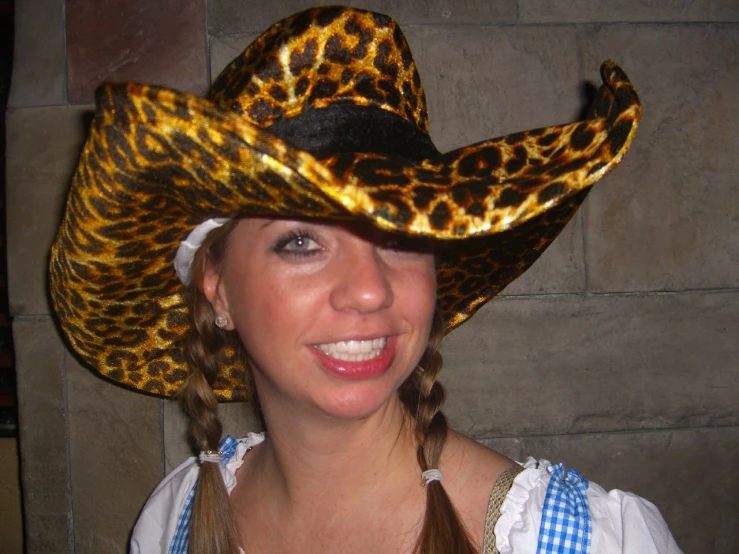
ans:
(210, 456)
(431, 475)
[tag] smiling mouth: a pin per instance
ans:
(354, 350)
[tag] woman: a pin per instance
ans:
(322, 248)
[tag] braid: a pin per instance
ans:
(203, 340)
(443, 531)
(212, 527)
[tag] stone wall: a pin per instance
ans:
(617, 353)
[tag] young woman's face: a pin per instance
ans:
(334, 316)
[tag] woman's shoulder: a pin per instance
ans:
(469, 460)
(165, 515)
(470, 469)
(549, 504)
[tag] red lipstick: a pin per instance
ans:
(359, 370)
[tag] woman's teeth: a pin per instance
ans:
(354, 350)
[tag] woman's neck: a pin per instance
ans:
(313, 479)
(312, 460)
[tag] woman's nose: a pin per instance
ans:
(363, 280)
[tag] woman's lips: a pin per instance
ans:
(357, 359)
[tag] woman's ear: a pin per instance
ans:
(214, 290)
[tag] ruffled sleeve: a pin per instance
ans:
(159, 520)
(597, 521)
(163, 525)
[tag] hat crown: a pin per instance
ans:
(320, 58)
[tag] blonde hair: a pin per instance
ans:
(212, 527)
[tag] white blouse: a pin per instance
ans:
(620, 522)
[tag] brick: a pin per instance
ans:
(233, 16)
(42, 429)
(690, 475)
(574, 364)
(597, 11)
(11, 507)
(482, 83)
(670, 219)
(42, 149)
(135, 40)
(38, 54)
(560, 269)
(117, 458)
(487, 82)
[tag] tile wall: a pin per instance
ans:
(617, 353)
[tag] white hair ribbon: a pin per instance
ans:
(188, 247)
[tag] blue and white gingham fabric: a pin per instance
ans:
(565, 520)
(182, 532)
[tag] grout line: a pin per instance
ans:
(648, 293)
(611, 432)
(586, 205)
(584, 246)
(68, 450)
(594, 23)
(161, 432)
(65, 77)
(208, 69)
(582, 24)
(89, 105)
(489, 25)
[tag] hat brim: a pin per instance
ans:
(159, 162)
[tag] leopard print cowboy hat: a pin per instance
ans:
(323, 116)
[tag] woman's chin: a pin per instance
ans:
(360, 403)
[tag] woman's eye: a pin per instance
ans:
(297, 244)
